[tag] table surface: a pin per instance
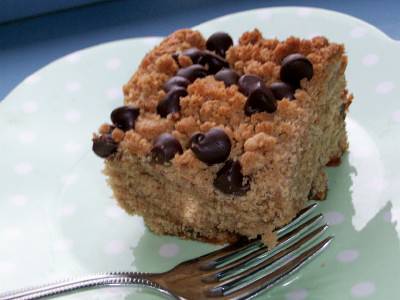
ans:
(29, 44)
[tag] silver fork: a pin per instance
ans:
(233, 272)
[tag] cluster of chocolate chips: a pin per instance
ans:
(205, 62)
(124, 118)
(214, 146)
(261, 98)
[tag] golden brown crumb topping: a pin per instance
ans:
(210, 103)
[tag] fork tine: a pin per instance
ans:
(301, 215)
(217, 257)
(271, 279)
(210, 260)
(283, 239)
(242, 261)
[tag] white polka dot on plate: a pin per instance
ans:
(363, 289)
(115, 247)
(72, 86)
(113, 63)
(396, 116)
(387, 216)
(114, 93)
(27, 137)
(67, 210)
(264, 15)
(69, 179)
(72, 147)
(6, 267)
(23, 168)
(348, 255)
(29, 107)
(299, 294)
(358, 32)
(114, 212)
(12, 233)
(62, 245)
(169, 250)
(377, 184)
(19, 199)
(370, 59)
(384, 87)
(73, 58)
(32, 79)
(334, 218)
(72, 116)
(303, 12)
(360, 151)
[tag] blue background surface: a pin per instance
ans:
(29, 44)
(18, 9)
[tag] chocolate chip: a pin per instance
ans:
(229, 179)
(104, 145)
(219, 42)
(260, 100)
(228, 76)
(248, 83)
(175, 82)
(294, 68)
(282, 90)
(164, 148)
(194, 54)
(170, 103)
(213, 62)
(213, 147)
(192, 72)
(124, 117)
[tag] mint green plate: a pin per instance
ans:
(57, 216)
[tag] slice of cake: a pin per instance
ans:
(217, 141)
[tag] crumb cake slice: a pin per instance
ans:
(217, 141)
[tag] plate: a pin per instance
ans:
(57, 216)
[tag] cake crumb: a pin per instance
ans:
(136, 144)
(117, 135)
(187, 125)
(105, 128)
(187, 160)
(260, 142)
(184, 61)
(166, 64)
(150, 126)
(251, 162)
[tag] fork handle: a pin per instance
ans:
(85, 283)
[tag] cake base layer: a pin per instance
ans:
(160, 223)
